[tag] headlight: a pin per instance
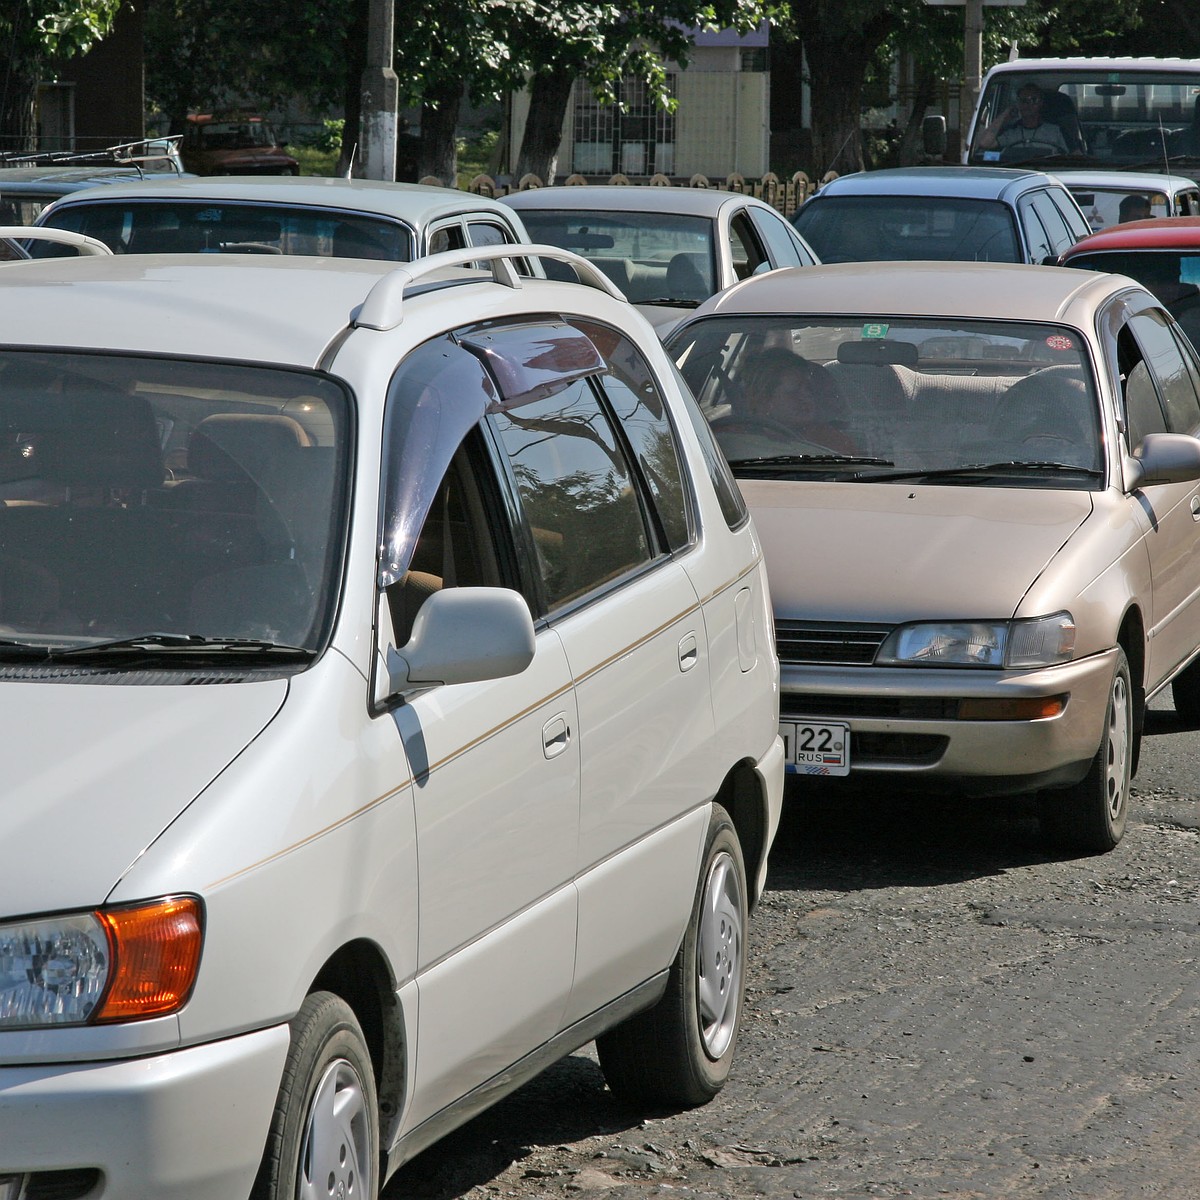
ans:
(115, 964)
(1038, 642)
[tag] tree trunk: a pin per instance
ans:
(912, 143)
(438, 155)
(549, 95)
(355, 49)
(838, 50)
(18, 99)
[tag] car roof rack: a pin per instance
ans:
(63, 237)
(121, 154)
(383, 307)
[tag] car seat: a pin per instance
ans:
(1060, 108)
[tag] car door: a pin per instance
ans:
(602, 490)
(495, 765)
(1161, 382)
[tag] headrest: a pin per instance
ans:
(232, 446)
(878, 350)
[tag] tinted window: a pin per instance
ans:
(485, 233)
(870, 228)
(1045, 227)
(577, 491)
(1170, 369)
(1143, 412)
(784, 249)
(638, 404)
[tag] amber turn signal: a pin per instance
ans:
(155, 957)
(1035, 708)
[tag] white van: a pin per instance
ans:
(390, 707)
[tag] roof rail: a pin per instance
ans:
(63, 237)
(383, 307)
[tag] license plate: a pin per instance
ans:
(816, 747)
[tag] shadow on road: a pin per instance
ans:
(566, 1103)
(845, 838)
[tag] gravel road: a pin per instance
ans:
(936, 1007)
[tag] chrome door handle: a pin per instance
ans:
(556, 736)
(689, 652)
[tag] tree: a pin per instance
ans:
(32, 34)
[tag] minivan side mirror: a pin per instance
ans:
(464, 635)
(1164, 458)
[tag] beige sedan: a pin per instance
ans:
(978, 489)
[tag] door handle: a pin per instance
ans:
(556, 736)
(1196, 508)
(689, 652)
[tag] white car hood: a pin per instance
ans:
(93, 773)
(899, 552)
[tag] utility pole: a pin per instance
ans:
(380, 97)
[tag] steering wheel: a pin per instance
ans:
(1021, 151)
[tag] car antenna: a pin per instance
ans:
(350, 161)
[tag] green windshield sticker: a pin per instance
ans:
(874, 331)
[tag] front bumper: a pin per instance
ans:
(187, 1125)
(904, 721)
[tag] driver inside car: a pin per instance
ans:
(1022, 124)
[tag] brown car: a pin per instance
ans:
(234, 144)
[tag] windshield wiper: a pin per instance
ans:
(155, 643)
(976, 470)
(673, 301)
(819, 460)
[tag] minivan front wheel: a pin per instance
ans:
(1090, 817)
(324, 1136)
(679, 1053)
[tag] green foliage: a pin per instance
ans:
(55, 28)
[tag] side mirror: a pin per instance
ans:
(464, 635)
(933, 136)
(1164, 458)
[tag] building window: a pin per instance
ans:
(633, 136)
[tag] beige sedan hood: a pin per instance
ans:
(903, 552)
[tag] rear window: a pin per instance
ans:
(874, 228)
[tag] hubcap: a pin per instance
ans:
(336, 1154)
(719, 961)
(1116, 780)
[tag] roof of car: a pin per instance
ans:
(279, 309)
(412, 202)
(1097, 62)
(686, 201)
(976, 183)
(1001, 291)
(1156, 233)
(64, 179)
(1124, 181)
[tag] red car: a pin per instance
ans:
(1162, 254)
(234, 144)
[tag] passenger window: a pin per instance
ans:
(1047, 231)
(1170, 369)
(774, 230)
(484, 233)
(1143, 413)
(448, 237)
(638, 404)
(748, 254)
(577, 490)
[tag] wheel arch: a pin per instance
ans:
(744, 798)
(359, 973)
(1131, 637)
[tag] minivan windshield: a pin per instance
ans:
(1096, 115)
(178, 506)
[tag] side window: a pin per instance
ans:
(1171, 370)
(1143, 413)
(485, 233)
(637, 401)
(447, 237)
(577, 490)
(1044, 226)
(748, 253)
(1077, 224)
(775, 231)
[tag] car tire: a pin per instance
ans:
(1090, 816)
(678, 1054)
(1185, 691)
(324, 1132)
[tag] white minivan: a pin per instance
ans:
(390, 707)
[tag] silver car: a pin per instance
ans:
(977, 488)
